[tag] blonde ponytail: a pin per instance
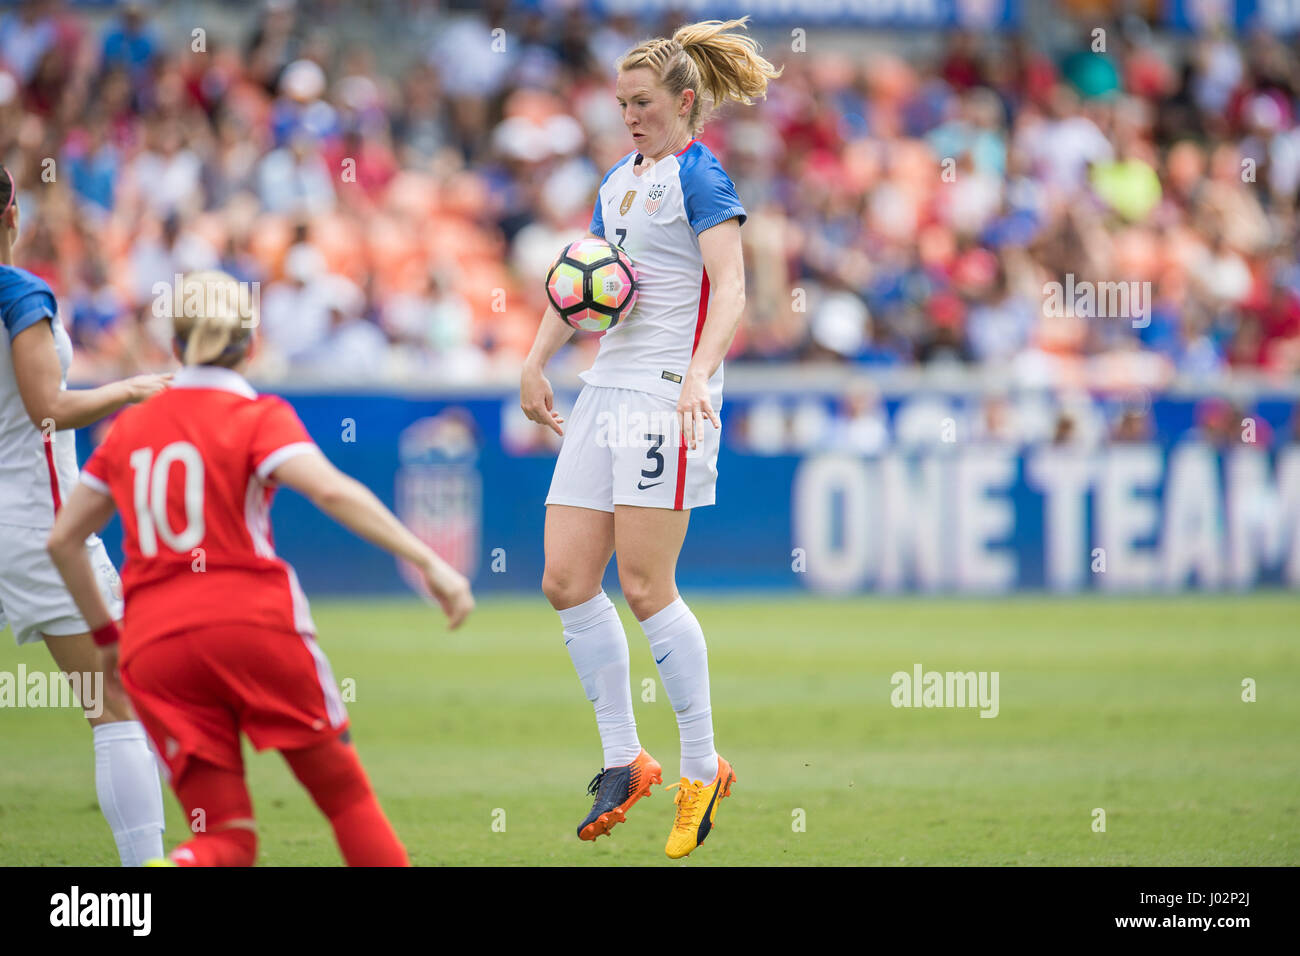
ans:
(212, 319)
(705, 57)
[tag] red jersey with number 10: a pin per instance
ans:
(188, 470)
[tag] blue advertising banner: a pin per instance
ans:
(967, 14)
(1202, 16)
(915, 498)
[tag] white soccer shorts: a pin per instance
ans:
(622, 447)
(33, 596)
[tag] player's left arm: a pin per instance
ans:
(40, 384)
(725, 266)
(84, 513)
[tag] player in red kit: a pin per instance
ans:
(217, 637)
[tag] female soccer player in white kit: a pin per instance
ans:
(641, 447)
(38, 467)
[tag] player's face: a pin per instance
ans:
(656, 120)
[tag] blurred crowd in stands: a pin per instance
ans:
(398, 214)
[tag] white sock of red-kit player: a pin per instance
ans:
(130, 795)
(594, 637)
(677, 643)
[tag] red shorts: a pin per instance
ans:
(196, 691)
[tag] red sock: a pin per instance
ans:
(222, 796)
(332, 774)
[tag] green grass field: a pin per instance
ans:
(1133, 706)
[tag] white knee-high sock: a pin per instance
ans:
(683, 660)
(130, 796)
(594, 636)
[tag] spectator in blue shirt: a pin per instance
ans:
(130, 42)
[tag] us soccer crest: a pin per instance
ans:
(654, 197)
(439, 491)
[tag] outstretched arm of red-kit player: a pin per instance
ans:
(354, 506)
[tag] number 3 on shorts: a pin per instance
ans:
(654, 455)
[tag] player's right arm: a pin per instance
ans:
(354, 506)
(535, 395)
(40, 377)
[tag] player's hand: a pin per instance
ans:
(693, 406)
(538, 401)
(451, 588)
(140, 387)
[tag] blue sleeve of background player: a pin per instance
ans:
(708, 192)
(26, 304)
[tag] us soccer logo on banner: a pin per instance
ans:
(439, 491)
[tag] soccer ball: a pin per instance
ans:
(592, 284)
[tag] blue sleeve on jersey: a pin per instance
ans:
(597, 227)
(708, 192)
(25, 304)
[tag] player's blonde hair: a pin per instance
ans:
(212, 319)
(704, 57)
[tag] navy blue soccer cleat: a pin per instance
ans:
(616, 789)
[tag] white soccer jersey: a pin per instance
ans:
(656, 218)
(35, 473)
